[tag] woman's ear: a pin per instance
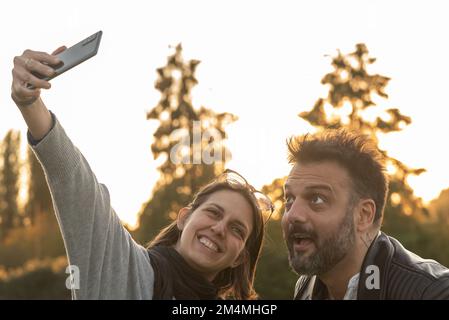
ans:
(182, 218)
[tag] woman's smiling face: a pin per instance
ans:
(214, 235)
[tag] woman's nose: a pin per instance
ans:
(219, 228)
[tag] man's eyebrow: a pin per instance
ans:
(323, 187)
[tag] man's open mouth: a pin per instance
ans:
(301, 241)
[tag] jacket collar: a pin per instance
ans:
(375, 264)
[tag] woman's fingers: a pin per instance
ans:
(37, 68)
(41, 57)
(59, 50)
(28, 69)
(36, 65)
(30, 75)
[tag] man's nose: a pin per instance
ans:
(297, 213)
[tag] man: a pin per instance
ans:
(335, 196)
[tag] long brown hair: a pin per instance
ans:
(235, 283)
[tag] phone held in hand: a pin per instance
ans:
(74, 55)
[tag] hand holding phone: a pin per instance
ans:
(73, 56)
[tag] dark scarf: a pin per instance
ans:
(174, 278)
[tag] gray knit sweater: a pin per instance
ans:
(111, 264)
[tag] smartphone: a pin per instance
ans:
(74, 55)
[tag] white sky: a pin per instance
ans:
(261, 60)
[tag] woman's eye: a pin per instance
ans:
(238, 231)
(214, 213)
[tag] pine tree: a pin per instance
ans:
(9, 183)
(351, 85)
(184, 137)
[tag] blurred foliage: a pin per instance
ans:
(36, 279)
(33, 262)
(432, 236)
(427, 238)
(39, 241)
(197, 130)
(39, 199)
(31, 244)
(439, 208)
(9, 183)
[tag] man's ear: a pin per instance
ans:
(366, 211)
(182, 218)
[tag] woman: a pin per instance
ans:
(209, 252)
(219, 234)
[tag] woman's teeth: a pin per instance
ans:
(209, 244)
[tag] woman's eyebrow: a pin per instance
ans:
(217, 206)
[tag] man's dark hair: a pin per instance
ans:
(357, 153)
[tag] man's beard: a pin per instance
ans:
(327, 253)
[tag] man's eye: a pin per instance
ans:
(288, 201)
(317, 199)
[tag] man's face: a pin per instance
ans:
(318, 223)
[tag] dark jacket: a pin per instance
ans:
(401, 274)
